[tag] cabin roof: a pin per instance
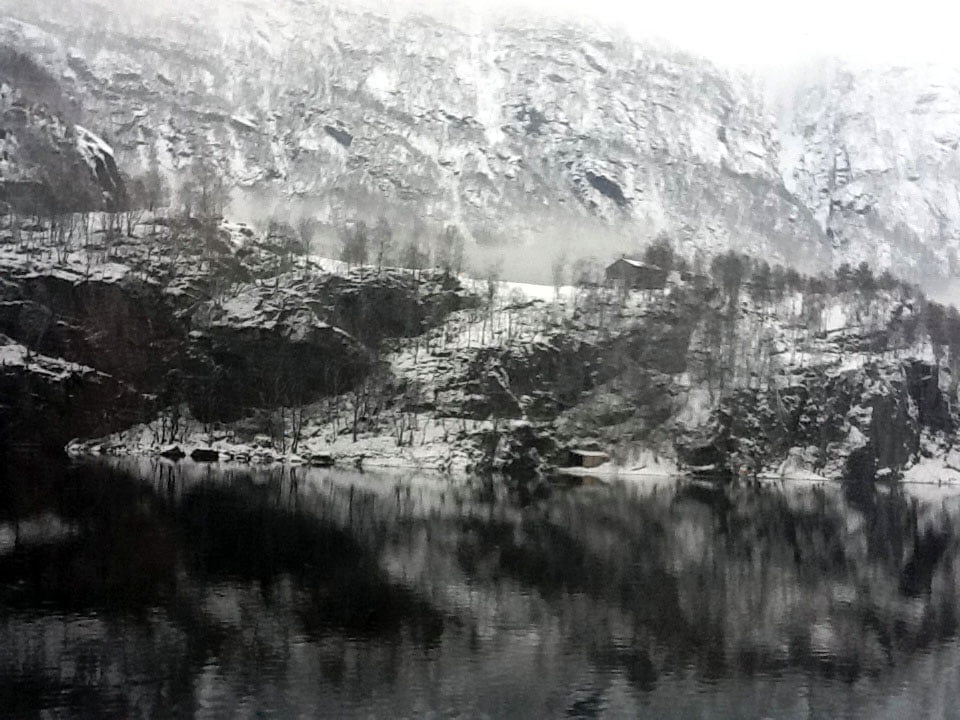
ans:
(634, 263)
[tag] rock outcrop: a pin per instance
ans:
(177, 321)
(45, 401)
(872, 152)
(263, 348)
(858, 424)
(48, 164)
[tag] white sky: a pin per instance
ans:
(770, 33)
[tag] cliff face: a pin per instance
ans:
(799, 383)
(48, 163)
(46, 400)
(98, 336)
(145, 334)
(509, 130)
(874, 155)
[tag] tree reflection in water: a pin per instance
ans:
(141, 588)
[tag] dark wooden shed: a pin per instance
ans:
(587, 458)
(636, 275)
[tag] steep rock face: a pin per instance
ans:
(263, 348)
(538, 380)
(45, 401)
(520, 128)
(47, 162)
(108, 319)
(508, 130)
(857, 424)
(873, 153)
(178, 319)
(373, 304)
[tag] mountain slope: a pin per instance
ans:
(507, 131)
(874, 154)
(48, 162)
(511, 130)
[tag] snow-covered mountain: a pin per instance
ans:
(512, 130)
(875, 155)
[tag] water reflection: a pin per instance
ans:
(145, 588)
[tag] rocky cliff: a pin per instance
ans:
(511, 129)
(763, 372)
(48, 162)
(103, 333)
(873, 154)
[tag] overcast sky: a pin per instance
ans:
(772, 32)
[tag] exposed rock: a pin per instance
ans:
(48, 164)
(608, 188)
(930, 395)
(373, 304)
(156, 316)
(172, 452)
(339, 134)
(869, 151)
(45, 401)
(110, 319)
(528, 132)
(628, 134)
(262, 348)
(858, 423)
(204, 455)
(519, 451)
(102, 164)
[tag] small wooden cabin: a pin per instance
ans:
(636, 275)
(587, 458)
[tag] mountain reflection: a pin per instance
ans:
(142, 588)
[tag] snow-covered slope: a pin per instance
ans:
(511, 130)
(48, 163)
(874, 154)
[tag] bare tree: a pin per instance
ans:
(412, 256)
(382, 241)
(355, 243)
(155, 190)
(135, 203)
(492, 281)
(307, 230)
(203, 194)
(450, 245)
(558, 274)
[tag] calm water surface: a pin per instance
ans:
(146, 589)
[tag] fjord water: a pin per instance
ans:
(140, 588)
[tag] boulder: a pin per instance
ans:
(204, 455)
(172, 452)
